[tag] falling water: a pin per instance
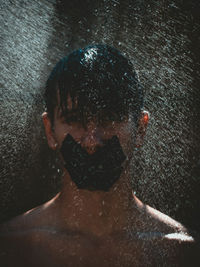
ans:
(160, 38)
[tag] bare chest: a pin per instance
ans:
(76, 250)
(54, 249)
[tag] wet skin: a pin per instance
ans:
(85, 228)
(38, 238)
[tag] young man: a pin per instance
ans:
(94, 120)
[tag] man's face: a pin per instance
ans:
(94, 152)
(93, 134)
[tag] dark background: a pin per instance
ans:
(162, 40)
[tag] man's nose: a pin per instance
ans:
(92, 138)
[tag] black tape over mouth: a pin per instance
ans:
(98, 171)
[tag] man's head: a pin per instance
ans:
(100, 80)
(93, 94)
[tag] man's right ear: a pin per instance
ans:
(48, 130)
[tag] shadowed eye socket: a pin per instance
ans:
(102, 118)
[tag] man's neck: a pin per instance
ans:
(96, 212)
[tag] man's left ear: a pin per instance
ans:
(48, 130)
(142, 126)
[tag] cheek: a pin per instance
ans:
(126, 138)
(60, 131)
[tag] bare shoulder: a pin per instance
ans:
(165, 222)
(168, 239)
(173, 249)
(23, 227)
(152, 220)
(21, 223)
(32, 219)
(20, 227)
(19, 235)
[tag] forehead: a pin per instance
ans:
(91, 109)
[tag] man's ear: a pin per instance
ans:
(48, 130)
(142, 126)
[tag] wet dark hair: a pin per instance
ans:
(100, 81)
